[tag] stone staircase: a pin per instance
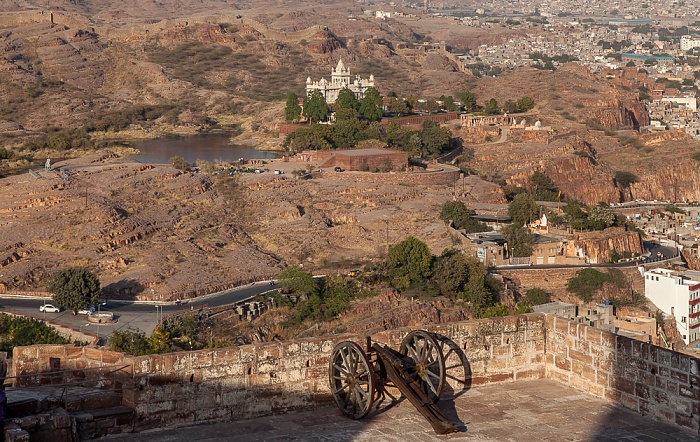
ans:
(58, 414)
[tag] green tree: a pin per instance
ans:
(526, 103)
(461, 217)
(542, 188)
(17, 331)
(298, 281)
(449, 103)
(346, 99)
(451, 273)
(435, 139)
(468, 101)
(589, 282)
(371, 105)
(519, 240)
(292, 110)
(159, 341)
(481, 290)
(75, 288)
(537, 296)
(625, 179)
(398, 106)
(495, 310)
(315, 107)
(180, 163)
(586, 284)
(410, 259)
(523, 209)
(456, 212)
(491, 107)
(131, 342)
(510, 107)
(346, 114)
(601, 217)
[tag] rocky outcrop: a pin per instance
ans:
(324, 43)
(618, 114)
(599, 247)
(390, 310)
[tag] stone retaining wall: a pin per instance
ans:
(182, 389)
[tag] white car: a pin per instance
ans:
(90, 309)
(50, 308)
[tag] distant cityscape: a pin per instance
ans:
(651, 48)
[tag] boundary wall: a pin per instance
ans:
(188, 388)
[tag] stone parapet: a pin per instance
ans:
(188, 388)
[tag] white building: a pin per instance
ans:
(340, 79)
(676, 294)
(689, 102)
(688, 42)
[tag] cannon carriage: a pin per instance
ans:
(358, 377)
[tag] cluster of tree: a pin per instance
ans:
(564, 58)
(410, 104)
(589, 282)
(597, 217)
(119, 120)
(18, 331)
(342, 134)
(320, 299)
(135, 342)
(539, 186)
(430, 140)
(460, 216)
(491, 106)
(480, 69)
(75, 288)
(617, 46)
(346, 106)
(62, 140)
(411, 267)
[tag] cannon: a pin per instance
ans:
(358, 377)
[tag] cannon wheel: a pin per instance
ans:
(429, 368)
(351, 379)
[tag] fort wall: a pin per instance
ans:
(182, 389)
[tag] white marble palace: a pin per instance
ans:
(340, 78)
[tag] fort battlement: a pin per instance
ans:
(188, 388)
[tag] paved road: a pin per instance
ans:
(136, 315)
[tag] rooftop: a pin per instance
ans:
(539, 410)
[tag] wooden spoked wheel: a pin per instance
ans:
(351, 379)
(428, 362)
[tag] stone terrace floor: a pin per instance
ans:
(539, 410)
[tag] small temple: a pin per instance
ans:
(340, 79)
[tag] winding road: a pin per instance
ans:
(139, 315)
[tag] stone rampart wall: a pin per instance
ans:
(182, 389)
(187, 388)
(648, 379)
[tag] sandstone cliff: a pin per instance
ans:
(600, 246)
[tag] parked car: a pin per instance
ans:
(338, 169)
(50, 308)
(87, 310)
(279, 172)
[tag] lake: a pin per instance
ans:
(200, 147)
